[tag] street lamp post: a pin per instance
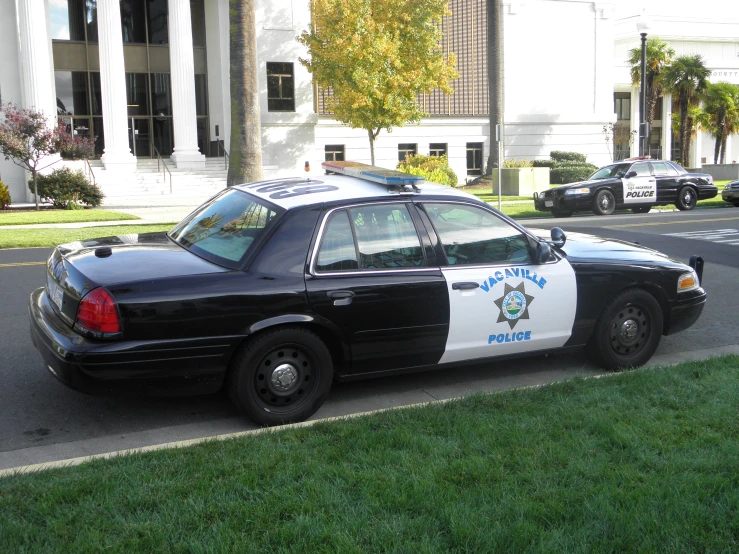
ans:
(643, 27)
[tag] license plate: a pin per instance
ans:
(549, 203)
(56, 293)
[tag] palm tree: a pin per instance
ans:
(686, 78)
(495, 76)
(721, 105)
(658, 57)
(245, 161)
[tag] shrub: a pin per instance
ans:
(73, 147)
(542, 163)
(560, 156)
(432, 168)
(570, 174)
(516, 164)
(64, 187)
(4, 197)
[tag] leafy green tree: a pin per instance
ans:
(658, 57)
(721, 106)
(686, 78)
(376, 56)
(245, 162)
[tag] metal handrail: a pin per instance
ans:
(89, 168)
(226, 159)
(166, 169)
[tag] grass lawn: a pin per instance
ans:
(28, 238)
(61, 216)
(644, 461)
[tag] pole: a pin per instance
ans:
(643, 145)
(499, 139)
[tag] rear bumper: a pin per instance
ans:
(684, 312)
(179, 367)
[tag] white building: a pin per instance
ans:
(150, 77)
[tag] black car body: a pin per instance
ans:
(276, 288)
(731, 193)
(637, 184)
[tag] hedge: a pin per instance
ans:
(570, 174)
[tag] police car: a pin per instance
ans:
(274, 289)
(636, 184)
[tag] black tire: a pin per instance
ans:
(687, 198)
(562, 213)
(736, 204)
(604, 203)
(627, 332)
(641, 209)
(257, 390)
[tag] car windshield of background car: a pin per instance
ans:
(223, 230)
(608, 172)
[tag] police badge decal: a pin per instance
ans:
(514, 304)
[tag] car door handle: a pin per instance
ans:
(341, 297)
(468, 285)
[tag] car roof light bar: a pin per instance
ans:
(387, 177)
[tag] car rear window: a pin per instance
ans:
(224, 230)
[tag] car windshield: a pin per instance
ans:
(223, 230)
(609, 171)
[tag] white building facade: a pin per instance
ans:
(150, 78)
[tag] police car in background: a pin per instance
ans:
(636, 183)
(273, 289)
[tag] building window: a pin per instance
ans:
(280, 87)
(67, 20)
(157, 16)
(474, 158)
(334, 152)
(133, 22)
(437, 149)
(622, 105)
(71, 93)
(405, 150)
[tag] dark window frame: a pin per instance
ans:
(406, 149)
(438, 149)
(330, 152)
(475, 147)
(285, 87)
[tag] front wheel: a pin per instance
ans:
(628, 331)
(641, 209)
(280, 376)
(604, 203)
(687, 198)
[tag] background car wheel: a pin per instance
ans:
(561, 213)
(641, 209)
(736, 204)
(604, 203)
(686, 199)
(280, 376)
(627, 332)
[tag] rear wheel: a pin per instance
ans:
(687, 198)
(641, 209)
(280, 376)
(604, 203)
(562, 213)
(627, 332)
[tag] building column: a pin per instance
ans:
(182, 68)
(35, 63)
(696, 147)
(666, 116)
(117, 155)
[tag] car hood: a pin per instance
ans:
(135, 257)
(584, 247)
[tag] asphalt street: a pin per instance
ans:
(41, 420)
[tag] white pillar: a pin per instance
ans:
(696, 147)
(117, 155)
(35, 63)
(182, 68)
(666, 116)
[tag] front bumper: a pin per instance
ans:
(563, 203)
(685, 311)
(161, 368)
(730, 195)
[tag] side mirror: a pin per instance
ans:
(558, 237)
(543, 253)
(630, 174)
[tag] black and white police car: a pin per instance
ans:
(276, 288)
(636, 184)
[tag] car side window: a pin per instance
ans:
(337, 251)
(473, 236)
(642, 169)
(386, 237)
(661, 168)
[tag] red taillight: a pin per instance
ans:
(98, 312)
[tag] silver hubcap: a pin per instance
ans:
(283, 377)
(605, 202)
(629, 330)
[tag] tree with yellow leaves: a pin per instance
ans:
(376, 56)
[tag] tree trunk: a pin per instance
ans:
(684, 132)
(495, 77)
(371, 136)
(35, 187)
(245, 160)
(717, 147)
(724, 139)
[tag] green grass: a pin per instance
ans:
(29, 238)
(644, 461)
(61, 216)
(487, 196)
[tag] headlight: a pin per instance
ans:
(570, 192)
(687, 282)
